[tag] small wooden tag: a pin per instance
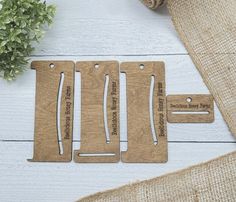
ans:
(53, 111)
(142, 147)
(98, 144)
(190, 109)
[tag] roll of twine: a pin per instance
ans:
(153, 4)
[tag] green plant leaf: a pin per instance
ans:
(21, 24)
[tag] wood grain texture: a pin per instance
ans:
(190, 106)
(20, 96)
(93, 133)
(142, 147)
(109, 27)
(62, 182)
(111, 30)
(46, 138)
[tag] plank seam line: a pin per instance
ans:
(111, 55)
(122, 141)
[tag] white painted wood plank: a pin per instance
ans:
(17, 102)
(66, 182)
(109, 27)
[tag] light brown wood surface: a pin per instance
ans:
(46, 139)
(94, 147)
(141, 146)
(197, 104)
(80, 33)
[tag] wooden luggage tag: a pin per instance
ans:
(190, 109)
(53, 111)
(146, 106)
(100, 138)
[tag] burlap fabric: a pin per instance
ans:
(211, 181)
(208, 30)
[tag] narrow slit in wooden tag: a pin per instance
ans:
(190, 109)
(53, 111)
(141, 145)
(100, 138)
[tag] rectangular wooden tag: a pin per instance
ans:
(100, 108)
(190, 109)
(146, 105)
(53, 111)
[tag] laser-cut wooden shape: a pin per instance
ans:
(95, 147)
(53, 115)
(141, 145)
(190, 108)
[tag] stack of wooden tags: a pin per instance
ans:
(148, 110)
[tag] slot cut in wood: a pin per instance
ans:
(190, 108)
(146, 106)
(100, 138)
(53, 111)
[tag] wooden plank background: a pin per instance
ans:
(101, 30)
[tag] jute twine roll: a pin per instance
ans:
(208, 30)
(153, 4)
